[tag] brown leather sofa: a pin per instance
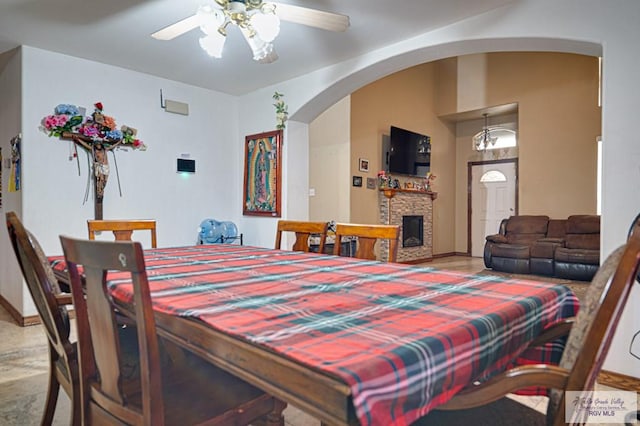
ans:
(567, 248)
(510, 249)
(579, 259)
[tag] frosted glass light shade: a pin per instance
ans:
(263, 52)
(213, 44)
(267, 25)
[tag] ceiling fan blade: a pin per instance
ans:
(179, 28)
(312, 17)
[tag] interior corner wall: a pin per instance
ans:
(329, 160)
(11, 284)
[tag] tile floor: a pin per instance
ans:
(24, 366)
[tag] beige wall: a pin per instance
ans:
(408, 100)
(329, 158)
(558, 121)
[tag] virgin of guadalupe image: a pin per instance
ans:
(262, 175)
(261, 164)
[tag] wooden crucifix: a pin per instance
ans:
(98, 150)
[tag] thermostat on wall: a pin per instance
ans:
(186, 165)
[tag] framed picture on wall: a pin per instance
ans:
(357, 181)
(263, 174)
(363, 165)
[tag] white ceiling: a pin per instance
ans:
(117, 32)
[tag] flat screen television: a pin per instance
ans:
(409, 152)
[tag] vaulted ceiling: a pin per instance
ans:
(117, 32)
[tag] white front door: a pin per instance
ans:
(493, 198)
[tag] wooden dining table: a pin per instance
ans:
(349, 341)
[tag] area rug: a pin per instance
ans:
(579, 288)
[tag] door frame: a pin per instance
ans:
(470, 165)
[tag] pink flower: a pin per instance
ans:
(88, 131)
(53, 121)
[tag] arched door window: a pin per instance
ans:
(493, 176)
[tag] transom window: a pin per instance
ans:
(504, 138)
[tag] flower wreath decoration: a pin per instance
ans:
(68, 120)
(98, 135)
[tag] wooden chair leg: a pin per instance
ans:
(52, 397)
(76, 408)
(275, 417)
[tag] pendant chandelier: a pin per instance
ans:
(484, 139)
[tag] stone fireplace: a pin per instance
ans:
(412, 211)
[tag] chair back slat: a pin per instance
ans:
(123, 229)
(367, 236)
(100, 348)
(40, 281)
(303, 231)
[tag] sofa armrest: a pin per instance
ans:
(497, 238)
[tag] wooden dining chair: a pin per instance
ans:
(367, 236)
(122, 229)
(303, 231)
(51, 304)
(587, 345)
(188, 391)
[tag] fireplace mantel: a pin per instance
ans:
(393, 204)
(391, 192)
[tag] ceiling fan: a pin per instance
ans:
(259, 22)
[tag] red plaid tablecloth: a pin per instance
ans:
(404, 338)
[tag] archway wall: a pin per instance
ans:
(590, 27)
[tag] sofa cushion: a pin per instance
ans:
(557, 228)
(523, 239)
(582, 241)
(527, 224)
(513, 251)
(583, 224)
(546, 249)
(567, 255)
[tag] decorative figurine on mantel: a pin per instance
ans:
(427, 181)
(98, 135)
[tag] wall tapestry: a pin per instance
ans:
(16, 167)
(97, 134)
(263, 174)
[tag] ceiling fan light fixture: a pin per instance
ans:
(267, 25)
(259, 21)
(213, 44)
(263, 51)
(209, 19)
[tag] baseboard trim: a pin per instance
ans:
(17, 316)
(417, 261)
(619, 381)
(451, 253)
